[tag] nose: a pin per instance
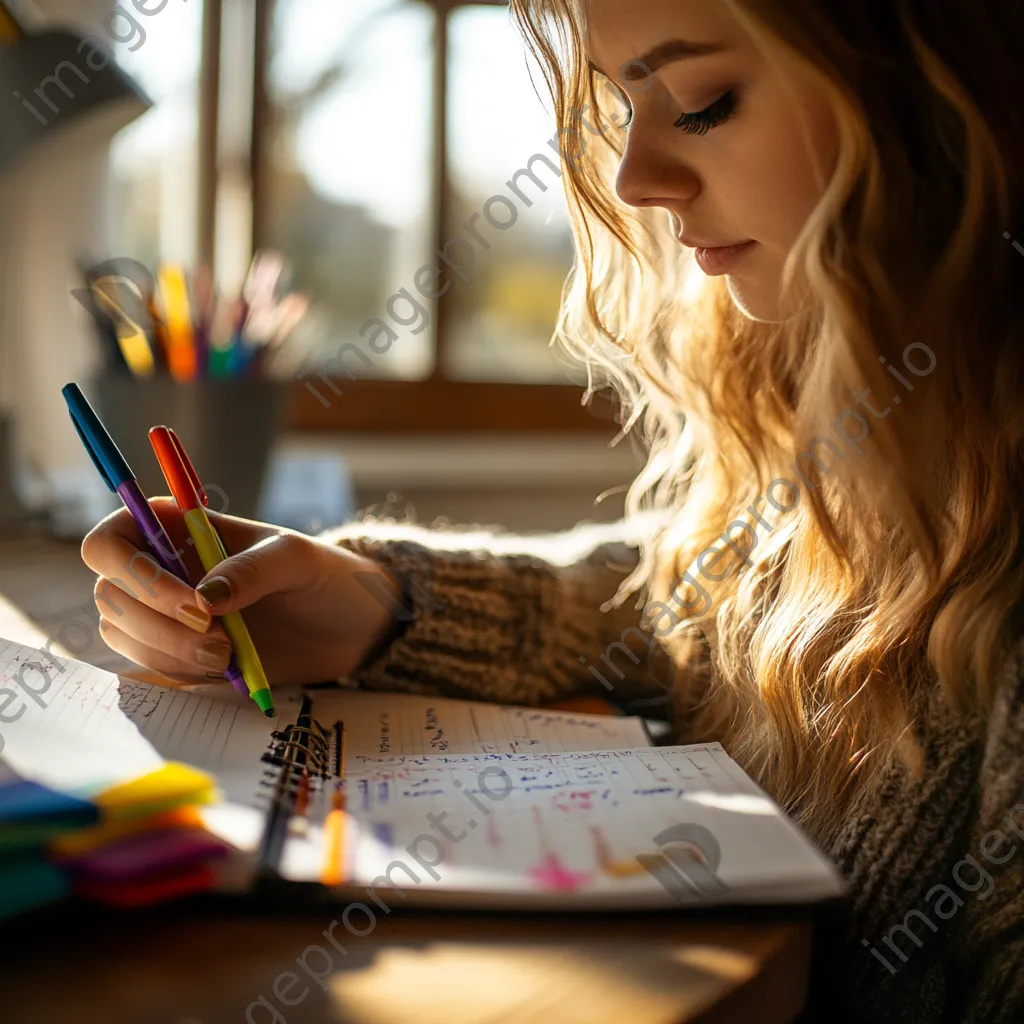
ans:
(650, 175)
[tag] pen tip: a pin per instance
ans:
(269, 712)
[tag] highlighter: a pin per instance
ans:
(191, 498)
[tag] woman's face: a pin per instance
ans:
(716, 137)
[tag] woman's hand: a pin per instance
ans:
(310, 607)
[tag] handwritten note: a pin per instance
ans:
(380, 724)
(76, 727)
(539, 828)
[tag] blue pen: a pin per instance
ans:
(121, 480)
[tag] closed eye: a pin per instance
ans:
(698, 123)
(710, 117)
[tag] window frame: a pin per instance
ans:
(438, 404)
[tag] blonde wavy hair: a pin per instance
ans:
(898, 574)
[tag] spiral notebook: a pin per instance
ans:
(421, 800)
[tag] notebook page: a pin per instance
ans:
(641, 827)
(79, 728)
(75, 727)
(379, 724)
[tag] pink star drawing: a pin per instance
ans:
(551, 873)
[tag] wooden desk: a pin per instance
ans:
(195, 964)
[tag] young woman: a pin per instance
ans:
(798, 262)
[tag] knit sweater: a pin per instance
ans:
(933, 927)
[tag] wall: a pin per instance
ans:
(52, 207)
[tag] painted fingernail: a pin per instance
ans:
(193, 617)
(214, 654)
(214, 591)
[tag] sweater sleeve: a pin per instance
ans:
(512, 619)
(990, 947)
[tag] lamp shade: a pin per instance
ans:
(53, 79)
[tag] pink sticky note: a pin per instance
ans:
(147, 853)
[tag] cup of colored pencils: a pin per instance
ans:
(216, 367)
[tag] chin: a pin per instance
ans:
(764, 309)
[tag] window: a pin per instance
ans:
(501, 320)
(359, 138)
(348, 164)
(153, 160)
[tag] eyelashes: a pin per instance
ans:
(701, 122)
(710, 117)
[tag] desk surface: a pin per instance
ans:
(190, 965)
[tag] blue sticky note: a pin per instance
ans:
(24, 801)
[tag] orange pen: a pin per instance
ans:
(191, 498)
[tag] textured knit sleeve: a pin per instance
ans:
(990, 948)
(513, 619)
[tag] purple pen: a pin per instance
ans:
(121, 480)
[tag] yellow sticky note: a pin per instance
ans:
(169, 786)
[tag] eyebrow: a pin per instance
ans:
(664, 53)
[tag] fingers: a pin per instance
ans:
(154, 632)
(141, 654)
(279, 563)
(116, 552)
(156, 620)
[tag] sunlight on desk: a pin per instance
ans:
(477, 984)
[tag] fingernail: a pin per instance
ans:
(214, 591)
(214, 654)
(193, 617)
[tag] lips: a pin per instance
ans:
(716, 259)
(693, 243)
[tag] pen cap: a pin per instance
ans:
(177, 469)
(98, 443)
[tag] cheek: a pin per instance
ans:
(782, 183)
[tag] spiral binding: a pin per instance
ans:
(300, 757)
(297, 749)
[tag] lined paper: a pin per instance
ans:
(379, 724)
(541, 827)
(89, 727)
(79, 728)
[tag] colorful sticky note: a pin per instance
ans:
(170, 786)
(139, 856)
(73, 844)
(150, 890)
(23, 801)
(27, 882)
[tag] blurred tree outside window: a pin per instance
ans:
(349, 195)
(502, 320)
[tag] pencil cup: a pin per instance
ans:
(227, 426)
